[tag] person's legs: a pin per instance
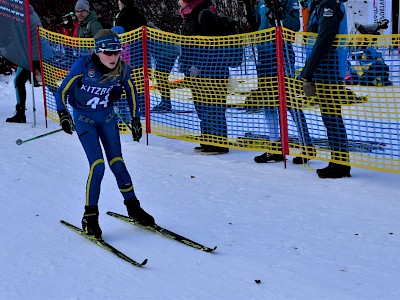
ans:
(304, 137)
(272, 124)
(89, 139)
(337, 137)
(21, 77)
(110, 138)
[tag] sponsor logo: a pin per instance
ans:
(91, 73)
(328, 12)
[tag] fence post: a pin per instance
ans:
(282, 91)
(146, 82)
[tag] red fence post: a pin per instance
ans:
(146, 82)
(282, 91)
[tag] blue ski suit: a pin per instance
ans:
(86, 90)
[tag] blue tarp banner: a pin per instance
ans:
(13, 33)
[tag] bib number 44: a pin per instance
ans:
(93, 102)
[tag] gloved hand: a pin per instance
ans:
(136, 129)
(66, 122)
(309, 88)
(115, 93)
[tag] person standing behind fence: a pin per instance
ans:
(326, 65)
(23, 75)
(208, 77)
(67, 25)
(87, 25)
(93, 84)
(269, 14)
(129, 18)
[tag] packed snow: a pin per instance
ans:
(281, 233)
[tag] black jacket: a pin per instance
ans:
(130, 18)
(209, 60)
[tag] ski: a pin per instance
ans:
(164, 232)
(103, 244)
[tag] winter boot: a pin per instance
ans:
(306, 151)
(90, 221)
(19, 116)
(137, 213)
(334, 171)
(267, 157)
(214, 150)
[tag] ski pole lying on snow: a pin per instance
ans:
(116, 110)
(20, 142)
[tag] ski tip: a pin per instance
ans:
(211, 250)
(144, 262)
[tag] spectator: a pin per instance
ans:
(23, 75)
(94, 82)
(67, 25)
(270, 14)
(87, 25)
(326, 65)
(129, 18)
(207, 75)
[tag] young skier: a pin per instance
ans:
(94, 82)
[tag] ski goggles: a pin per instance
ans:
(110, 53)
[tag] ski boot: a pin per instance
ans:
(137, 213)
(90, 221)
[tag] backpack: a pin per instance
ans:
(228, 26)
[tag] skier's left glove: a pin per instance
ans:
(66, 122)
(136, 129)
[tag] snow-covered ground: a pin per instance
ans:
(299, 236)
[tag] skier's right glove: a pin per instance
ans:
(136, 129)
(115, 93)
(65, 121)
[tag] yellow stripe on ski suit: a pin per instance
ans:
(111, 163)
(99, 161)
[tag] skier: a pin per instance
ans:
(94, 82)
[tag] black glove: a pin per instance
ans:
(65, 121)
(115, 93)
(309, 88)
(136, 129)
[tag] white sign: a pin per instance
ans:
(379, 10)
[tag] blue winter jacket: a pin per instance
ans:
(290, 21)
(267, 65)
(326, 62)
(83, 90)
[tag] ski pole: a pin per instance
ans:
(20, 142)
(116, 110)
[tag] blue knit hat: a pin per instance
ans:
(107, 43)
